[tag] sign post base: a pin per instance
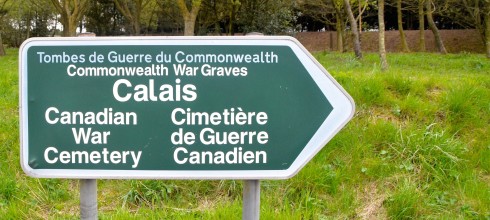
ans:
(251, 200)
(88, 199)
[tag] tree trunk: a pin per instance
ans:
(136, 28)
(487, 31)
(80, 25)
(71, 12)
(72, 28)
(64, 22)
(433, 27)
(355, 31)
(189, 25)
(28, 26)
(137, 16)
(339, 26)
(189, 15)
(421, 27)
(69, 27)
(403, 39)
(132, 13)
(235, 6)
(2, 49)
(231, 32)
(360, 16)
(340, 33)
(381, 40)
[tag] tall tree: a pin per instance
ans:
(234, 7)
(421, 25)
(361, 6)
(71, 12)
(149, 17)
(44, 13)
(169, 17)
(339, 24)
(470, 14)
(403, 39)
(3, 12)
(487, 27)
(266, 16)
(131, 10)
(104, 19)
(330, 12)
(354, 29)
(381, 39)
(433, 27)
(478, 12)
(219, 16)
(189, 15)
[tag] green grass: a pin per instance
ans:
(417, 148)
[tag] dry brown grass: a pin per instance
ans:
(371, 198)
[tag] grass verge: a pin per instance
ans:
(418, 147)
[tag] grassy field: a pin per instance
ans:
(417, 148)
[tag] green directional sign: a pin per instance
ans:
(174, 108)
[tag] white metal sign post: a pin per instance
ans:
(251, 200)
(88, 199)
(88, 189)
(248, 108)
(251, 188)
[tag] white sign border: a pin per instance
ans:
(342, 102)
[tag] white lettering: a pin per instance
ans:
(176, 158)
(46, 154)
(46, 115)
(115, 90)
(52, 155)
(235, 156)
